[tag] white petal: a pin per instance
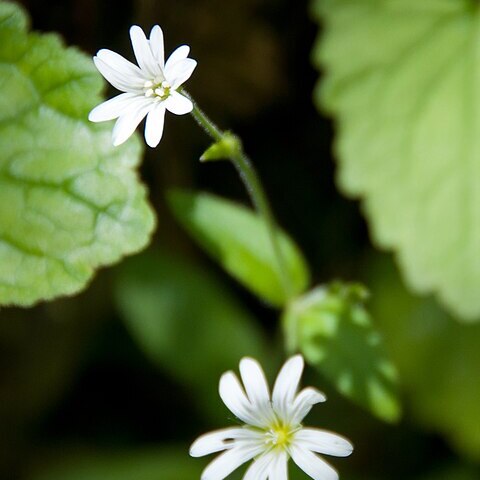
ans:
(181, 53)
(256, 387)
(154, 125)
(122, 66)
(129, 120)
(260, 468)
(178, 104)
(216, 441)
(112, 108)
(120, 82)
(232, 394)
(325, 442)
(156, 45)
(229, 461)
(286, 385)
(303, 403)
(278, 467)
(179, 72)
(143, 52)
(254, 381)
(312, 465)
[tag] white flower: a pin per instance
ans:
(149, 89)
(273, 431)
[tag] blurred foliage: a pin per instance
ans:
(438, 359)
(452, 473)
(401, 78)
(332, 328)
(167, 463)
(69, 201)
(238, 239)
(187, 323)
(41, 351)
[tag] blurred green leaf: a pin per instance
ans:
(12, 16)
(42, 350)
(237, 238)
(186, 322)
(333, 330)
(154, 463)
(438, 360)
(457, 472)
(402, 79)
(69, 201)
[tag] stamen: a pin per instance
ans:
(158, 88)
(279, 436)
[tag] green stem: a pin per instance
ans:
(254, 187)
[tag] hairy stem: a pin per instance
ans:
(254, 187)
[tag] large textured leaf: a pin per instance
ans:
(237, 238)
(69, 201)
(438, 360)
(187, 323)
(333, 330)
(402, 78)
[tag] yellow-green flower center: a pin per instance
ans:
(279, 436)
(157, 89)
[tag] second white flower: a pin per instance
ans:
(272, 431)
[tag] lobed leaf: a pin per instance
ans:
(69, 201)
(402, 79)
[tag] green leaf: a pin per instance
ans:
(333, 330)
(12, 16)
(69, 201)
(438, 360)
(402, 79)
(167, 463)
(186, 323)
(237, 238)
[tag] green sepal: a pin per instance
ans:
(225, 148)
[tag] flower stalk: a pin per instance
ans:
(234, 152)
(155, 86)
